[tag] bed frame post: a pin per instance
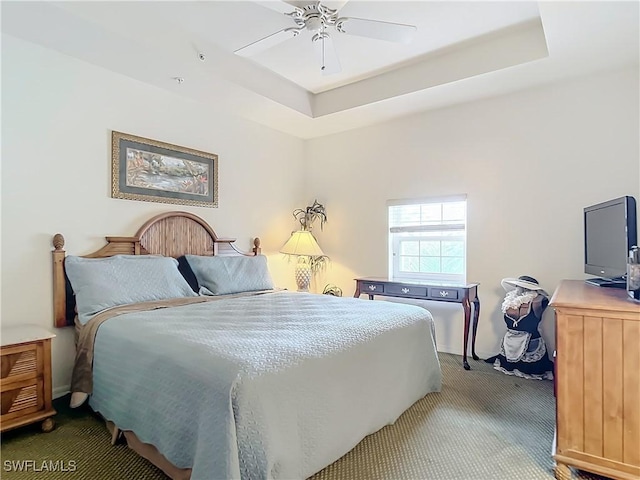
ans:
(256, 246)
(59, 304)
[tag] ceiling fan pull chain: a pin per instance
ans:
(323, 61)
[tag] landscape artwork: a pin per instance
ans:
(150, 170)
(163, 172)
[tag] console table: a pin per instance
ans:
(464, 294)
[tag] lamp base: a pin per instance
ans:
(303, 275)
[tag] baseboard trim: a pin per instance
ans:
(61, 391)
(456, 351)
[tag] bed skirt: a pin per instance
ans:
(148, 452)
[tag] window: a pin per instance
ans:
(427, 239)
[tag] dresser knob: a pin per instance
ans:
(444, 293)
(372, 287)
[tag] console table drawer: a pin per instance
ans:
(410, 291)
(444, 293)
(372, 288)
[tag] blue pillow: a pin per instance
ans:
(223, 275)
(101, 283)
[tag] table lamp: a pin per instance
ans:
(303, 245)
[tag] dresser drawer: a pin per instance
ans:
(444, 293)
(372, 288)
(408, 290)
(21, 362)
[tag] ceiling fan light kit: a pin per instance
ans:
(317, 18)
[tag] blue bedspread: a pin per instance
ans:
(269, 386)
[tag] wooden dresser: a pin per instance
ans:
(597, 381)
(25, 385)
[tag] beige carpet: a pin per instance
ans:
(484, 425)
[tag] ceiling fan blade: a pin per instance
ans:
(334, 4)
(267, 42)
(288, 6)
(277, 6)
(391, 32)
(326, 53)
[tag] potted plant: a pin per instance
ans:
(307, 217)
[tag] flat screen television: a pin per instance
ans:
(610, 230)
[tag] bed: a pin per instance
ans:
(248, 383)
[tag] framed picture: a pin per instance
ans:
(152, 171)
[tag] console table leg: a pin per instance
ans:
(467, 317)
(476, 316)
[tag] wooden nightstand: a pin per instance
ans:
(25, 384)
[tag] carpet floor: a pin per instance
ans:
(484, 425)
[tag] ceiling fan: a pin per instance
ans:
(319, 19)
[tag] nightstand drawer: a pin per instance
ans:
(22, 398)
(408, 290)
(21, 362)
(444, 293)
(372, 288)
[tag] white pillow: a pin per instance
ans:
(100, 283)
(223, 275)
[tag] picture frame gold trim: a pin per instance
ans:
(123, 144)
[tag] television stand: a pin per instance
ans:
(618, 282)
(597, 336)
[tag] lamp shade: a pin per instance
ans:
(302, 243)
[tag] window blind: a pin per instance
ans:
(427, 238)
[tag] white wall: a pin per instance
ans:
(529, 162)
(57, 117)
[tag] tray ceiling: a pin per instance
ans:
(456, 43)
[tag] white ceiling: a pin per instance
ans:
(461, 51)
(360, 57)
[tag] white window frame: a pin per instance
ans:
(395, 237)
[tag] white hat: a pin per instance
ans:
(523, 281)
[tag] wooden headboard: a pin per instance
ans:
(171, 234)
